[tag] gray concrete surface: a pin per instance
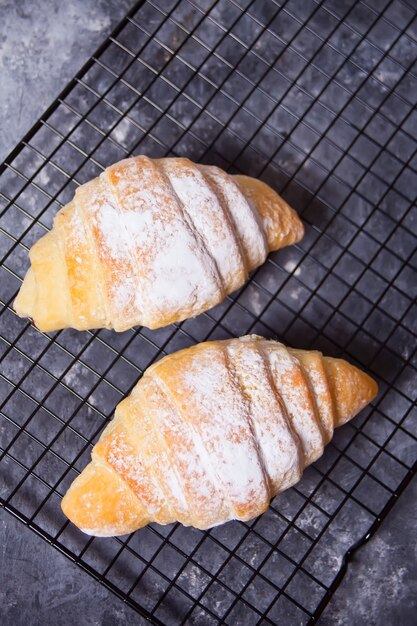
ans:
(42, 44)
(40, 587)
(380, 586)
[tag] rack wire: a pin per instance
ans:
(318, 99)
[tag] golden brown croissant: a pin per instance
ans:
(152, 242)
(212, 433)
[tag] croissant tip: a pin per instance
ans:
(299, 230)
(353, 389)
(100, 504)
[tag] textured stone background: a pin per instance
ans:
(42, 45)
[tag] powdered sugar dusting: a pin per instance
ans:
(245, 218)
(293, 389)
(209, 220)
(111, 242)
(151, 411)
(213, 403)
(277, 445)
(113, 228)
(130, 466)
(324, 401)
(172, 273)
(166, 238)
(205, 503)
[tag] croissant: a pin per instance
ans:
(212, 433)
(152, 242)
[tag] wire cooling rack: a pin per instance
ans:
(317, 99)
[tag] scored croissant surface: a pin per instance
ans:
(212, 433)
(152, 242)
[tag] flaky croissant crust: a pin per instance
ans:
(152, 242)
(212, 433)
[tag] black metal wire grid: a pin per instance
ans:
(318, 99)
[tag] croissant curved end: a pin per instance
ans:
(24, 303)
(282, 225)
(352, 389)
(101, 504)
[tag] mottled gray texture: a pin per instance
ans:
(42, 45)
(39, 586)
(380, 586)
